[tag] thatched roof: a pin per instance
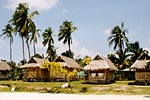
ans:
(37, 60)
(100, 63)
(4, 66)
(30, 65)
(67, 62)
(139, 64)
(34, 62)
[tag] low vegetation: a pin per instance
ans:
(77, 87)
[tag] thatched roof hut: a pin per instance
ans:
(100, 69)
(35, 70)
(34, 62)
(141, 74)
(4, 66)
(139, 64)
(100, 63)
(67, 62)
(4, 70)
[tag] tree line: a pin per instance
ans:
(22, 24)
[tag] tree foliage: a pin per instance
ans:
(65, 32)
(118, 37)
(55, 68)
(7, 32)
(23, 22)
(49, 41)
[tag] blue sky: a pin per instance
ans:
(93, 18)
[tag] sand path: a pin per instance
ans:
(48, 96)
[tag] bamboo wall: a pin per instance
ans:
(36, 73)
(142, 76)
(101, 75)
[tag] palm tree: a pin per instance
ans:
(8, 34)
(67, 54)
(118, 37)
(122, 59)
(48, 40)
(135, 50)
(23, 22)
(28, 46)
(34, 37)
(65, 33)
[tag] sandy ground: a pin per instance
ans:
(48, 96)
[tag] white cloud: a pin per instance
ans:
(33, 4)
(64, 10)
(82, 52)
(107, 31)
(75, 47)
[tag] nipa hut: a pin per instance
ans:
(141, 74)
(67, 63)
(4, 70)
(33, 70)
(101, 70)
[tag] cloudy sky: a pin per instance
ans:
(93, 18)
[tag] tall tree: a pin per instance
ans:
(135, 50)
(67, 54)
(48, 40)
(65, 32)
(123, 59)
(28, 46)
(23, 22)
(118, 37)
(34, 38)
(7, 32)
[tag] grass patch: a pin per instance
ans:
(120, 87)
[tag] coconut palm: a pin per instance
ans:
(65, 32)
(135, 50)
(48, 40)
(118, 37)
(28, 46)
(34, 38)
(122, 59)
(23, 22)
(7, 32)
(67, 54)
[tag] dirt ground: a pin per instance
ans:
(48, 96)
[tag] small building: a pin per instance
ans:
(141, 74)
(67, 63)
(4, 70)
(100, 70)
(34, 70)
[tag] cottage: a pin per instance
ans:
(33, 70)
(101, 70)
(141, 74)
(4, 70)
(67, 63)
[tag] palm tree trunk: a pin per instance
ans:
(23, 53)
(34, 48)
(69, 48)
(10, 49)
(28, 49)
